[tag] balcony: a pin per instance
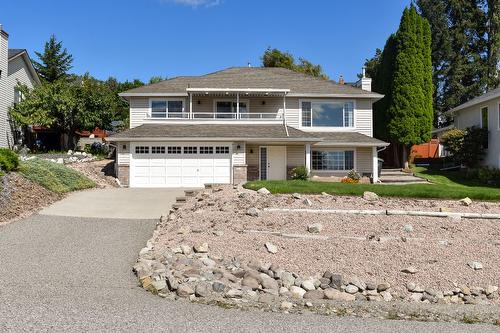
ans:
(217, 117)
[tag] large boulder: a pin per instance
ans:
(370, 196)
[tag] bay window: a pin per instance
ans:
(332, 160)
(327, 114)
(167, 109)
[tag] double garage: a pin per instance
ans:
(179, 164)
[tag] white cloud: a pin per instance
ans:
(196, 3)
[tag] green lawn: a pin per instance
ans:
(54, 177)
(443, 187)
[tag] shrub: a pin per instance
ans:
(354, 175)
(9, 161)
(347, 180)
(468, 146)
(300, 173)
(97, 148)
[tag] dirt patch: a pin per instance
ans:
(21, 198)
(101, 172)
(373, 248)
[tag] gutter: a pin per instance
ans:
(203, 139)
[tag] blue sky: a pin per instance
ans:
(131, 39)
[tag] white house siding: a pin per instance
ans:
(123, 153)
(363, 114)
(139, 109)
(17, 72)
(239, 155)
(471, 116)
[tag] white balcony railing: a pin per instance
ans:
(223, 116)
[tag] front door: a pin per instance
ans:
(273, 163)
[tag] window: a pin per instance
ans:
(332, 160)
(158, 150)
(263, 163)
(206, 150)
(18, 96)
(227, 109)
(142, 150)
(174, 150)
(222, 150)
(164, 108)
(190, 150)
(327, 114)
(484, 117)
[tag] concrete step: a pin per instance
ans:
(176, 206)
(190, 193)
(404, 179)
(396, 173)
(180, 199)
(396, 169)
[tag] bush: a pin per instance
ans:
(347, 180)
(485, 175)
(354, 175)
(9, 161)
(468, 146)
(97, 148)
(300, 173)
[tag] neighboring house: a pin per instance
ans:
(482, 111)
(243, 124)
(15, 67)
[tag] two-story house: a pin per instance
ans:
(484, 112)
(15, 67)
(243, 124)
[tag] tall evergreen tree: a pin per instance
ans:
(55, 61)
(493, 43)
(410, 113)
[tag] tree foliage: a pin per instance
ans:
(277, 58)
(55, 61)
(466, 146)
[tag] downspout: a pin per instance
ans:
(284, 115)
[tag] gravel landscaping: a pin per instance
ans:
(224, 242)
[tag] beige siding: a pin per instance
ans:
(471, 116)
(139, 111)
(18, 71)
(252, 154)
(239, 154)
(363, 116)
(123, 153)
(292, 112)
(295, 156)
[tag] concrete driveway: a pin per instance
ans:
(117, 203)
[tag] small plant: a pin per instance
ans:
(97, 148)
(347, 180)
(354, 175)
(300, 173)
(9, 161)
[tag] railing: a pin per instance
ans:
(222, 116)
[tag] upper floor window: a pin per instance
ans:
(167, 109)
(327, 114)
(227, 109)
(484, 117)
(18, 96)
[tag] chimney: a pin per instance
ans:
(364, 83)
(4, 52)
(341, 79)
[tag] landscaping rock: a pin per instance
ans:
(308, 285)
(159, 285)
(184, 290)
(186, 249)
(250, 282)
(287, 279)
(465, 201)
(408, 228)
(218, 287)
(315, 228)
(234, 293)
(370, 196)
(351, 289)
(297, 292)
(355, 281)
(201, 248)
(386, 296)
(416, 297)
(286, 305)
(314, 294)
(338, 295)
(383, 286)
(271, 248)
(307, 202)
(269, 283)
(172, 282)
(475, 265)
(297, 196)
(203, 289)
(254, 212)
(336, 281)
(263, 191)
(410, 270)
(490, 290)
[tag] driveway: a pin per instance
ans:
(119, 203)
(68, 273)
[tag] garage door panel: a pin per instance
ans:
(158, 171)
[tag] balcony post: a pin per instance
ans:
(190, 106)
(308, 157)
(237, 105)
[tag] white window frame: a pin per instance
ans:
(18, 96)
(247, 101)
(326, 128)
(355, 162)
(166, 100)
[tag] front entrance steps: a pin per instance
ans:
(398, 177)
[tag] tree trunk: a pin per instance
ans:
(404, 162)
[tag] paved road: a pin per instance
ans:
(73, 274)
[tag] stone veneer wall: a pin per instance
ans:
(123, 174)
(253, 172)
(239, 174)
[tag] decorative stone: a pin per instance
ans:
(234, 293)
(315, 228)
(269, 283)
(297, 292)
(371, 286)
(416, 297)
(297, 196)
(465, 201)
(351, 289)
(336, 281)
(475, 265)
(250, 282)
(409, 270)
(159, 284)
(172, 282)
(370, 196)
(287, 279)
(202, 289)
(218, 287)
(254, 212)
(358, 283)
(383, 286)
(263, 191)
(338, 295)
(307, 202)
(408, 228)
(184, 290)
(186, 249)
(271, 248)
(314, 294)
(490, 290)
(286, 305)
(201, 248)
(386, 296)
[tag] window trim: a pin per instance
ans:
(166, 100)
(326, 128)
(481, 116)
(355, 159)
(247, 101)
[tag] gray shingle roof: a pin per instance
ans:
(495, 93)
(254, 77)
(348, 138)
(14, 52)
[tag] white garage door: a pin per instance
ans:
(180, 165)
